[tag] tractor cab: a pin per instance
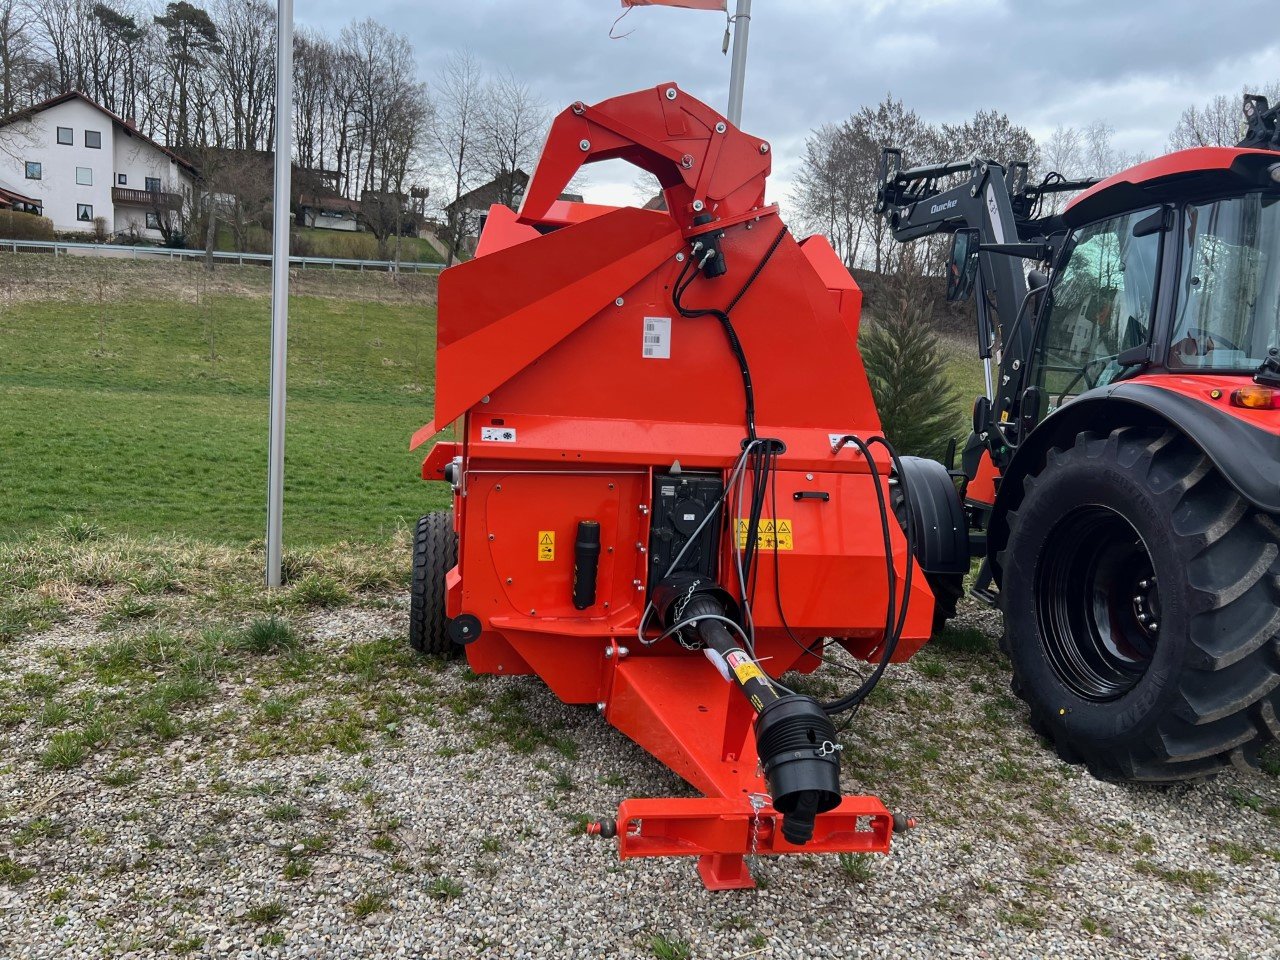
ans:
(1171, 267)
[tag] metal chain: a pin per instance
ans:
(678, 616)
(757, 800)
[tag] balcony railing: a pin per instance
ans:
(146, 198)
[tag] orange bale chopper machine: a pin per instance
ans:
(669, 488)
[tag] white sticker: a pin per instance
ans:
(834, 438)
(498, 434)
(657, 338)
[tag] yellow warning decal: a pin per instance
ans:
(768, 532)
(546, 544)
(747, 671)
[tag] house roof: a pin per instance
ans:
(9, 196)
(487, 194)
(328, 203)
(132, 131)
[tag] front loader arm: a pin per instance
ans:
(916, 205)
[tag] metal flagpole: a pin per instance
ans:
(738, 67)
(279, 286)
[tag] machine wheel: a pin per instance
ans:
(948, 591)
(941, 533)
(1141, 609)
(435, 552)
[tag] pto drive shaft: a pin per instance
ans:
(795, 738)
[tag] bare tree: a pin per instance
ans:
(514, 125)
(314, 60)
(1217, 124)
(245, 67)
(831, 190)
(991, 136)
(837, 181)
(17, 56)
(456, 134)
(396, 158)
(1220, 122)
(1063, 152)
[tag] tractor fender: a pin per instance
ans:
(1246, 456)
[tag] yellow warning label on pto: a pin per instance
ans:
(546, 544)
(768, 533)
(747, 671)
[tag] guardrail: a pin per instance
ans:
(72, 248)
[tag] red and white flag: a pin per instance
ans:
(722, 5)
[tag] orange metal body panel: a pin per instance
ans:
(982, 488)
(564, 417)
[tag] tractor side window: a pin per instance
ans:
(1100, 307)
(1228, 311)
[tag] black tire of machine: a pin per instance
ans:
(1141, 599)
(435, 552)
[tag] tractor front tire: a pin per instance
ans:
(435, 553)
(1141, 615)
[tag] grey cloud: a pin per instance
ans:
(1134, 63)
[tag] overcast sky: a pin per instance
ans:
(1134, 63)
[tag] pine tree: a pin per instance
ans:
(906, 365)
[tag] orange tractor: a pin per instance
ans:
(1122, 479)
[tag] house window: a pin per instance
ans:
(34, 170)
(153, 184)
(122, 179)
(93, 139)
(66, 136)
(84, 212)
(84, 176)
(153, 220)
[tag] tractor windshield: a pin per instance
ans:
(1228, 307)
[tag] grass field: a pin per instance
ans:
(134, 396)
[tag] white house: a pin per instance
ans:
(80, 161)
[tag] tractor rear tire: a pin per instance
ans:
(1140, 597)
(435, 553)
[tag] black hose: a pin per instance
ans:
(895, 620)
(735, 345)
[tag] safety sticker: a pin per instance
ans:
(546, 544)
(769, 533)
(657, 338)
(498, 434)
(747, 671)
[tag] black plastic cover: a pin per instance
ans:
(681, 501)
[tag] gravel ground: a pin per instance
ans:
(417, 831)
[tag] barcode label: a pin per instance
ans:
(656, 343)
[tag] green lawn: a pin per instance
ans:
(964, 370)
(144, 410)
(134, 395)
